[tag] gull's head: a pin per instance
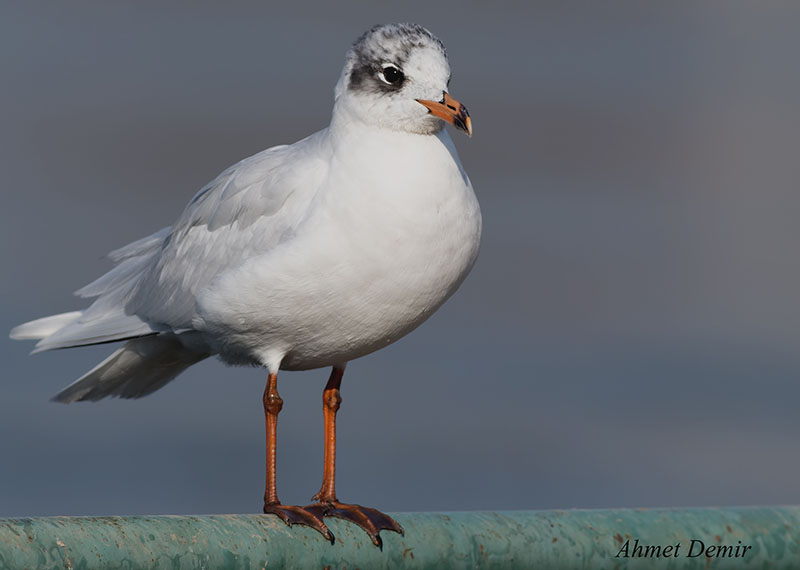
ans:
(396, 77)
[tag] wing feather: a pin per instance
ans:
(247, 210)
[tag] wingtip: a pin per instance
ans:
(18, 333)
(43, 327)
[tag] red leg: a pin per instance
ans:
(289, 514)
(273, 404)
(371, 520)
(331, 400)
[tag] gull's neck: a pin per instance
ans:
(345, 123)
(369, 150)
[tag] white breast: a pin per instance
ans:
(390, 236)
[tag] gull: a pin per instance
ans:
(299, 257)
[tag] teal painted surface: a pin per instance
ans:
(507, 540)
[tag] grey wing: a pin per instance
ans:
(248, 209)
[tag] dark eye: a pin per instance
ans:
(391, 75)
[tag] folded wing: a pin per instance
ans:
(149, 296)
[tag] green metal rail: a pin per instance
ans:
(517, 539)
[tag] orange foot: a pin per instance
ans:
(292, 515)
(371, 520)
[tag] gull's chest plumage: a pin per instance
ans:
(391, 235)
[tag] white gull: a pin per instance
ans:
(301, 256)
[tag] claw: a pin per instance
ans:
(292, 515)
(371, 520)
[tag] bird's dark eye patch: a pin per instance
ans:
(390, 75)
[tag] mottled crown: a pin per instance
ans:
(386, 43)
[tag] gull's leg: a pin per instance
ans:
(289, 514)
(371, 520)
(331, 400)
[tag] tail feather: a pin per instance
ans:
(140, 367)
(44, 327)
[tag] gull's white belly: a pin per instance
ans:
(364, 271)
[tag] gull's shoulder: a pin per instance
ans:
(259, 185)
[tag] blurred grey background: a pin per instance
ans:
(628, 337)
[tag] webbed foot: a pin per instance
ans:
(371, 520)
(292, 515)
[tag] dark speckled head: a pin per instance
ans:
(387, 71)
(386, 44)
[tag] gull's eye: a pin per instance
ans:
(391, 75)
